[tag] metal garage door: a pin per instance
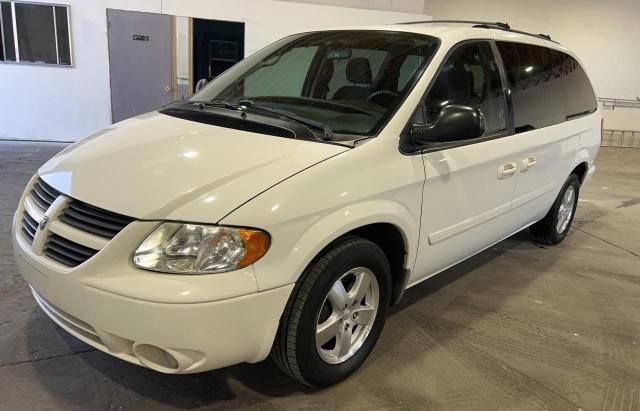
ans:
(140, 56)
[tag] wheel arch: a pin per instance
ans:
(393, 231)
(581, 170)
(580, 164)
(392, 242)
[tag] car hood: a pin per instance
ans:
(160, 167)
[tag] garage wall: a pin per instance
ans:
(604, 34)
(402, 6)
(66, 104)
(267, 21)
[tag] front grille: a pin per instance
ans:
(66, 251)
(29, 227)
(94, 220)
(43, 194)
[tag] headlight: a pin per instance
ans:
(200, 249)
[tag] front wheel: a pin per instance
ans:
(554, 227)
(335, 314)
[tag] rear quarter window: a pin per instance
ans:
(581, 98)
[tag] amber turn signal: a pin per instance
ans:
(256, 244)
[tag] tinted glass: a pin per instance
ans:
(7, 32)
(470, 77)
(36, 35)
(581, 98)
(340, 76)
(536, 88)
(271, 80)
(547, 86)
(408, 67)
(347, 80)
(62, 29)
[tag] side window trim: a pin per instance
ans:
(406, 147)
(506, 88)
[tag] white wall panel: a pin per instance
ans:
(402, 6)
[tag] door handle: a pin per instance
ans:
(507, 170)
(167, 89)
(528, 162)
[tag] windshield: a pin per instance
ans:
(349, 82)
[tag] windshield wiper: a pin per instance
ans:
(217, 103)
(248, 105)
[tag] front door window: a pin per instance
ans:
(470, 77)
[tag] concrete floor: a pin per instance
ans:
(519, 326)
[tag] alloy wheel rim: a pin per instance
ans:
(565, 212)
(347, 315)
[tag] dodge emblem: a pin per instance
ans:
(43, 223)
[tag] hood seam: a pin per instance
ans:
(277, 183)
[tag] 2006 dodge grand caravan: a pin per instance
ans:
(286, 205)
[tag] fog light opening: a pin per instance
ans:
(156, 358)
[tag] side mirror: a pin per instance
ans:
(454, 123)
(201, 83)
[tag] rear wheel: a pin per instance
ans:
(335, 314)
(553, 228)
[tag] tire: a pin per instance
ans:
(552, 229)
(296, 350)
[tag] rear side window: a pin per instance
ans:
(547, 86)
(536, 88)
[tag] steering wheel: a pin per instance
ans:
(389, 94)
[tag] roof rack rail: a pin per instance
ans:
(485, 25)
(488, 23)
(540, 36)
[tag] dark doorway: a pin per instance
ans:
(217, 45)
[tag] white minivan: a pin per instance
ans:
(289, 203)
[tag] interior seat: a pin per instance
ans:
(358, 73)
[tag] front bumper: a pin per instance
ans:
(144, 320)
